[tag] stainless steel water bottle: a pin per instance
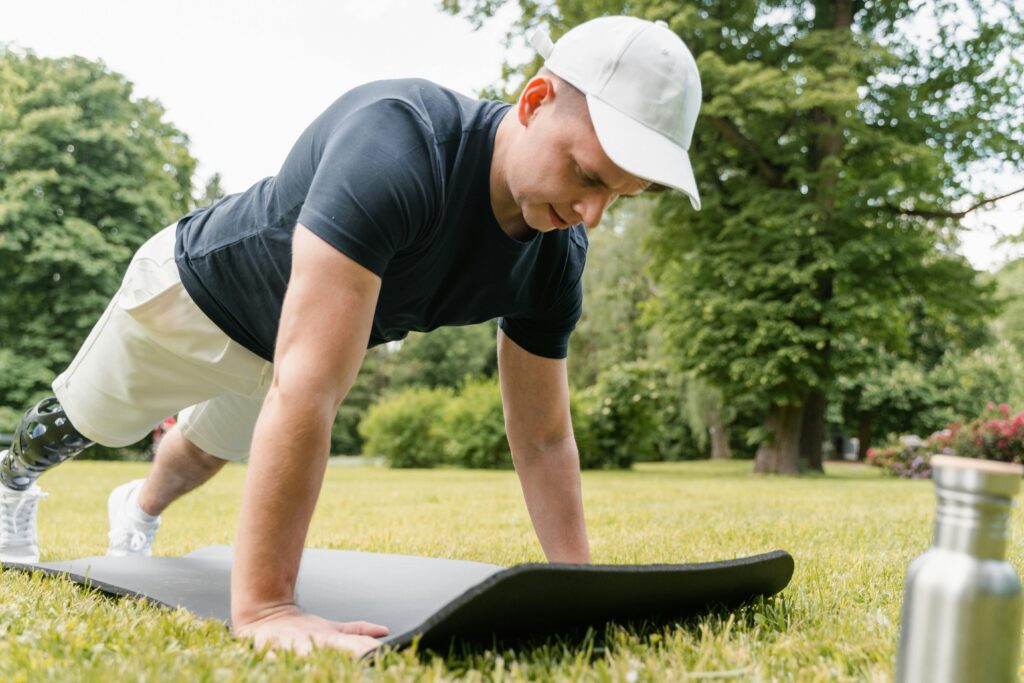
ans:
(962, 600)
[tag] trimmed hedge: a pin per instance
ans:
(403, 428)
(631, 414)
(473, 428)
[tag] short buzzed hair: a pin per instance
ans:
(569, 100)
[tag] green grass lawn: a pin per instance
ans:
(852, 533)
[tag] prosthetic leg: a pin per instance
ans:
(45, 438)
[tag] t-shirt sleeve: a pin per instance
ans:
(373, 189)
(547, 334)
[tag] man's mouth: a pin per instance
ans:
(556, 219)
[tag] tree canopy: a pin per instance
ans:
(87, 173)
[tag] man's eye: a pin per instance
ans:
(584, 178)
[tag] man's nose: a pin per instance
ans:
(591, 208)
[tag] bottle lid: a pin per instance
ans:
(988, 477)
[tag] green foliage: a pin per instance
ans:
(87, 174)
(900, 396)
(1009, 325)
(9, 419)
(473, 427)
(445, 357)
(403, 428)
(966, 382)
(615, 286)
(370, 384)
(633, 413)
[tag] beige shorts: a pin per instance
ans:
(152, 354)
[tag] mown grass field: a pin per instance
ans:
(852, 533)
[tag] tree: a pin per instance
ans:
(832, 151)
(708, 418)
(615, 286)
(903, 397)
(212, 191)
(87, 174)
(898, 391)
(1009, 326)
(367, 389)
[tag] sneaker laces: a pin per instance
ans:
(134, 539)
(19, 518)
(137, 541)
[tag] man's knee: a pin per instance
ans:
(175, 437)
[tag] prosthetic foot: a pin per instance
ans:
(18, 509)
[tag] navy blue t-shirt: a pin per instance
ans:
(395, 175)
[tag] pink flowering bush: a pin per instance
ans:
(908, 458)
(997, 434)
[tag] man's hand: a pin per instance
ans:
(292, 629)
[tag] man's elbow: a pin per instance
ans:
(529, 447)
(305, 394)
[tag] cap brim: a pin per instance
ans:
(642, 151)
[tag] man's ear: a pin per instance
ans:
(538, 91)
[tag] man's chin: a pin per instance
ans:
(533, 225)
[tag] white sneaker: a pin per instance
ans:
(18, 539)
(129, 535)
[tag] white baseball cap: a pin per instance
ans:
(643, 91)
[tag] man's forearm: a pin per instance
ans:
(550, 479)
(286, 469)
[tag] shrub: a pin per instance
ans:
(908, 458)
(620, 416)
(631, 414)
(403, 428)
(473, 427)
(995, 435)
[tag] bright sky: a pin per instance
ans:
(243, 79)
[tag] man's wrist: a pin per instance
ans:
(250, 612)
(578, 558)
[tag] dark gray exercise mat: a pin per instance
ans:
(442, 600)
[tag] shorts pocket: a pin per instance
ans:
(152, 294)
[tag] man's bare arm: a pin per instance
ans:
(325, 325)
(535, 396)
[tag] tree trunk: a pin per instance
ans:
(864, 429)
(838, 446)
(719, 436)
(781, 454)
(812, 429)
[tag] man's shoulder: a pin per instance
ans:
(436, 106)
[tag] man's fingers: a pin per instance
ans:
(363, 628)
(354, 645)
(301, 634)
